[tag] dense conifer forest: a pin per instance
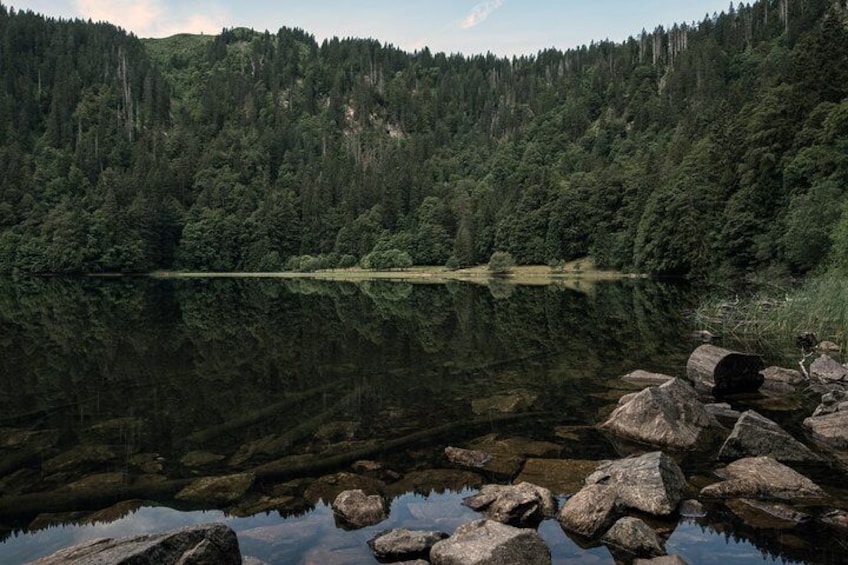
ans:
(711, 149)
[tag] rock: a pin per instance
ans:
(830, 428)
(466, 457)
(835, 519)
(116, 431)
(217, 491)
(723, 371)
(98, 481)
(781, 375)
(151, 463)
(508, 454)
(15, 438)
(832, 402)
(663, 560)
(829, 346)
(337, 431)
(284, 505)
(80, 458)
(355, 509)
(767, 516)
(560, 476)
(327, 488)
(197, 545)
(827, 369)
(669, 415)
(194, 459)
(652, 483)
(762, 478)
(486, 542)
(510, 402)
(404, 545)
(635, 537)
(704, 335)
(755, 435)
(692, 509)
(723, 411)
(519, 505)
(591, 511)
(645, 377)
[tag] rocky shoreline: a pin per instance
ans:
(758, 475)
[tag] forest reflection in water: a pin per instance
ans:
(132, 387)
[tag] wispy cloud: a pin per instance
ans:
(480, 13)
(152, 18)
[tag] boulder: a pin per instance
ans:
(646, 377)
(723, 371)
(355, 509)
(508, 454)
(830, 428)
(827, 369)
(194, 459)
(634, 537)
(781, 375)
(217, 491)
(692, 509)
(466, 457)
(519, 505)
(560, 476)
(669, 415)
(591, 511)
(404, 545)
(197, 545)
(722, 411)
(755, 435)
(80, 459)
(829, 346)
(486, 542)
(652, 483)
(762, 478)
(831, 402)
(835, 519)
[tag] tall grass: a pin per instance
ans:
(819, 305)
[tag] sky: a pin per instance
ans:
(502, 27)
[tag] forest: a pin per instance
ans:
(712, 149)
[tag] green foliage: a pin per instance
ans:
(501, 263)
(387, 260)
(722, 152)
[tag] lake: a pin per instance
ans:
(115, 393)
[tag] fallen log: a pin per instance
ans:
(722, 371)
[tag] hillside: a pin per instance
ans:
(708, 150)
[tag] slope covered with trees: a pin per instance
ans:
(717, 147)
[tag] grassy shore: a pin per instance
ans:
(583, 271)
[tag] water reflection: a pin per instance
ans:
(132, 388)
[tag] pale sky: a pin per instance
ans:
(503, 27)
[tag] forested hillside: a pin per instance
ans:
(709, 149)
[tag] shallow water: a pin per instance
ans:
(109, 383)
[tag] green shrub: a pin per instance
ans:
(501, 263)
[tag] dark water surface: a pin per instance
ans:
(127, 389)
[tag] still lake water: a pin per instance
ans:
(141, 385)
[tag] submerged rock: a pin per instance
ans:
(402, 545)
(508, 454)
(194, 459)
(663, 560)
(466, 457)
(208, 543)
(634, 537)
(486, 542)
(767, 516)
(560, 476)
(755, 435)
(669, 415)
(510, 402)
(217, 491)
(519, 505)
(646, 377)
(327, 488)
(762, 478)
(355, 509)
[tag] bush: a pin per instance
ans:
(347, 261)
(501, 263)
(386, 260)
(452, 263)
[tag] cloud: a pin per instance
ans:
(479, 13)
(152, 18)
